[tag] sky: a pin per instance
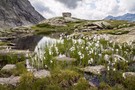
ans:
(84, 9)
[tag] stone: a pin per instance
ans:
(128, 74)
(102, 24)
(10, 80)
(63, 58)
(42, 73)
(94, 69)
(8, 67)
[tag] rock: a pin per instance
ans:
(63, 58)
(10, 81)
(18, 13)
(128, 74)
(19, 53)
(41, 74)
(8, 67)
(94, 69)
(27, 42)
(102, 24)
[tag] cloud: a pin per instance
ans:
(70, 3)
(86, 9)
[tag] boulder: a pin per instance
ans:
(8, 67)
(128, 74)
(10, 80)
(41, 73)
(102, 24)
(94, 69)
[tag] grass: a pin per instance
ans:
(46, 29)
(10, 59)
(120, 23)
(113, 32)
(19, 70)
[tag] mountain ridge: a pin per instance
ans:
(127, 16)
(18, 13)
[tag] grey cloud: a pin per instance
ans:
(69, 3)
(41, 7)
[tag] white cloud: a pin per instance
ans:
(87, 9)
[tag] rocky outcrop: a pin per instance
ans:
(59, 21)
(18, 13)
(27, 42)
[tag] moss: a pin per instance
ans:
(82, 84)
(20, 69)
(118, 87)
(129, 83)
(104, 86)
(3, 43)
(10, 59)
(4, 87)
(58, 81)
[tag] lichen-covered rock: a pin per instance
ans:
(94, 69)
(65, 59)
(41, 73)
(8, 67)
(10, 80)
(128, 74)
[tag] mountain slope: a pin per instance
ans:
(17, 13)
(128, 17)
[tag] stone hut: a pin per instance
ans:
(66, 14)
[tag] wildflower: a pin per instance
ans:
(106, 57)
(134, 58)
(87, 48)
(79, 53)
(114, 69)
(46, 66)
(82, 56)
(117, 50)
(123, 75)
(72, 48)
(108, 68)
(51, 61)
(97, 44)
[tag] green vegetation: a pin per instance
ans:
(112, 32)
(88, 50)
(10, 59)
(120, 23)
(46, 29)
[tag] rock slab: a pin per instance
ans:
(41, 74)
(8, 67)
(94, 69)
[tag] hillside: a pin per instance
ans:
(18, 13)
